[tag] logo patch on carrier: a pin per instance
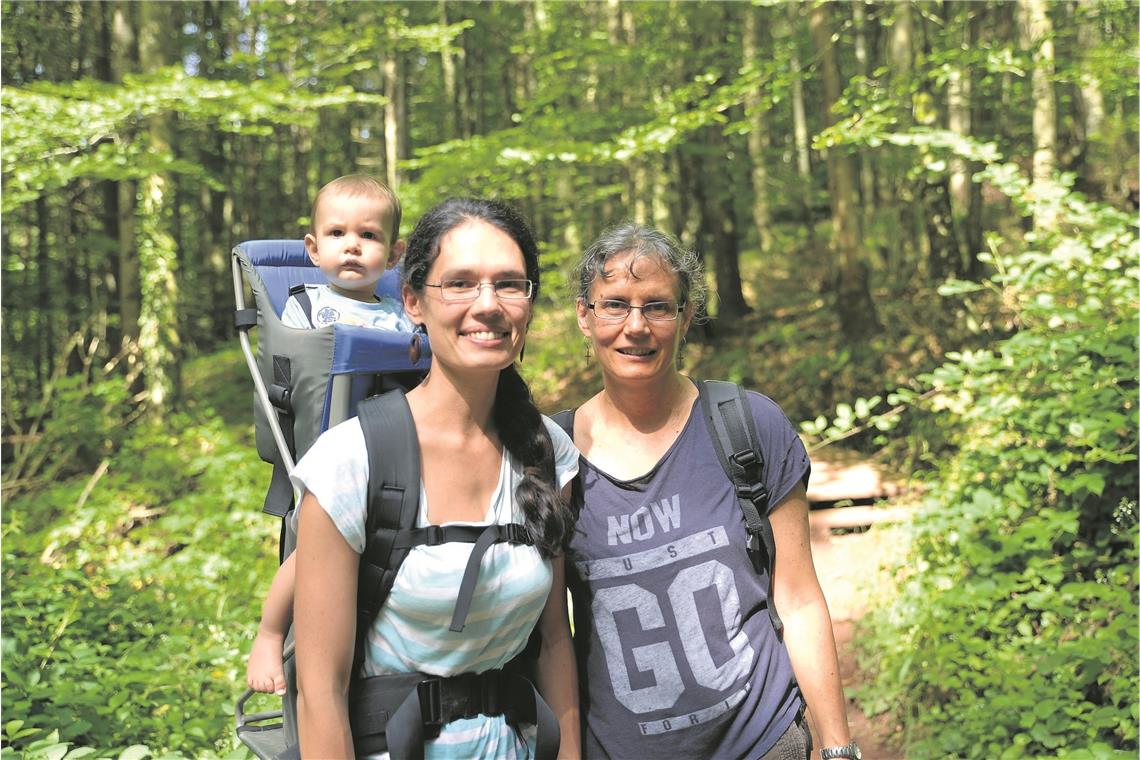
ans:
(326, 316)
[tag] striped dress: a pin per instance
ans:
(411, 632)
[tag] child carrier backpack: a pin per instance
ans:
(307, 380)
(397, 713)
(733, 432)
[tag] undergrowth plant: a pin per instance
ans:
(1015, 630)
(129, 606)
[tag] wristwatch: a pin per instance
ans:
(850, 751)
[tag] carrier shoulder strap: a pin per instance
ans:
(302, 295)
(565, 420)
(393, 505)
(733, 432)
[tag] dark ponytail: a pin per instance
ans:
(547, 518)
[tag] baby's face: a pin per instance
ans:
(351, 242)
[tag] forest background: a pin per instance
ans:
(919, 221)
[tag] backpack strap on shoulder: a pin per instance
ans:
(302, 295)
(733, 432)
(565, 420)
(393, 503)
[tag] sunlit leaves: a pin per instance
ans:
(54, 134)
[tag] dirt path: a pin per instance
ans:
(847, 566)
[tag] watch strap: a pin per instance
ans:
(849, 750)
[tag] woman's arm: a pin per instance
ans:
(325, 629)
(557, 670)
(807, 623)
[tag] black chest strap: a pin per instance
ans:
(397, 713)
(302, 295)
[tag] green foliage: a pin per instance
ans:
(1015, 633)
(127, 618)
(77, 421)
(55, 134)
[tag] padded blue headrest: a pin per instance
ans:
(285, 263)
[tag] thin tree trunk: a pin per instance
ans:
(45, 313)
(1037, 37)
(866, 170)
(855, 308)
(447, 68)
(109, 189)
(964, 192)
(716, 234)
(126, 60)
(464, 119)
(751, 46)
(394, 92)
(659, 180)
(800, 128)
(159, 341)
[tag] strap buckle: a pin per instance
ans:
(757, 553)
(431, 705)
(467, 695)
(433, 535)
(744, 459)
(515, 534)
(489, 692)
(757, 492)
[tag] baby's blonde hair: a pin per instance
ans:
(360, 184)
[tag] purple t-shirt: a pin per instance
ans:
(676, 652)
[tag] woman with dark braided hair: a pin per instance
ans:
(487, 457)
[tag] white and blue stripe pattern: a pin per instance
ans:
(411, 632)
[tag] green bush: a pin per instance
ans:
(127, 620)
(1015, 630)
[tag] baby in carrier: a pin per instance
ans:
(353, 239)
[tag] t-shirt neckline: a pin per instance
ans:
(642, 482)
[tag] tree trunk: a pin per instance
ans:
(866, 170)
(394, 137)
(159, 341)
(1037, 37)
(751, 45)
(716, 233)
(217, 205)
(45, 300)
(109, 189)
(855, 308)
(659, 179)
(965, 194)
(447, 68)
(800, 137)
(125, 60)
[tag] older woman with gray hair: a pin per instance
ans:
(679, 645)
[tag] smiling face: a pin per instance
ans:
(635, 349)
(351, 242)
(484, 334)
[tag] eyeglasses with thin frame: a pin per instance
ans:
(459, 291)
(655, 311)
